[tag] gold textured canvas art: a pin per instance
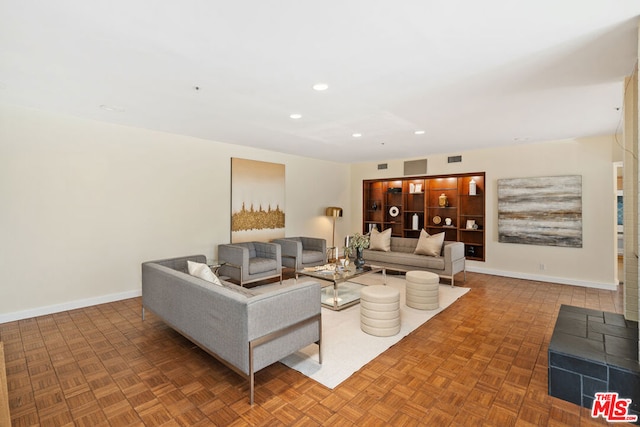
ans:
(257, 200)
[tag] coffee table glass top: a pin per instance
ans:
(340, 293)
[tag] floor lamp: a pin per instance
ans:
(334, 212)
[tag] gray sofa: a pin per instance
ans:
(244, 330)
(402, 258)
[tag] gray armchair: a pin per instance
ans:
(250, 261)
(300, 252)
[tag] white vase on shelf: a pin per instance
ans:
(472, 187)
(414, 221)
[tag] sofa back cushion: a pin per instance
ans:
(250, 246)
(180, 264)
(403, 244)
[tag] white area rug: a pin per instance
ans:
(346, 348)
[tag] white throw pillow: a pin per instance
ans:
(429, 245)
(380, 241)
(202, 271)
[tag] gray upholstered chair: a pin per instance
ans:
(249, 262)
(300, 252)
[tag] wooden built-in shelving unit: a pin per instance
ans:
(382, 198)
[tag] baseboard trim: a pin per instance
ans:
(71, 305)
(540, 278)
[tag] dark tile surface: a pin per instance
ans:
(591, 386)
(567, 309)
(614, 319)
(613, 330)
(578, 346)
(627, 385)
(621, 347)
(572, 326)
(593, 351)
(565, 385)
(580, 366)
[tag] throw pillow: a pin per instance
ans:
(202, 271)
(429, 245)
(380, 241)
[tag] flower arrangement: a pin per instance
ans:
(359, 241)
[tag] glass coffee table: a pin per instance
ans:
(340, 293)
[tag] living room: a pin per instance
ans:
(89, 201)
(88, 197)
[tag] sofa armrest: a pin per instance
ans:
(291, 252)
(453, 251)
(278, 309)
(235, 259)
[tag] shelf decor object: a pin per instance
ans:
(472, 187)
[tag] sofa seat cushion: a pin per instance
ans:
(404, 259)
(309, 257)
(261, 265)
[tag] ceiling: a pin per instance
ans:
(470, 74)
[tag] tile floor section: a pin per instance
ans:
(594, 351)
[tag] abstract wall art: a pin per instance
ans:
(257, 200)
(541, 211)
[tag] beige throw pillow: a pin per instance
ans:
(380, 241)
(429, 245)
(202, 271)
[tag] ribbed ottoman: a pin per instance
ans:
(423, 290)
(380, 310)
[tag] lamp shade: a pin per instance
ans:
(333, 211)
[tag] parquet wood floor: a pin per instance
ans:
(483, 361)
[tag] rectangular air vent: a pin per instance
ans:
(454, 159)
(415, 167)
(382, 166)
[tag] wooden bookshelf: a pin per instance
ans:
(393, 203)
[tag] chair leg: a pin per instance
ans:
(142, 312)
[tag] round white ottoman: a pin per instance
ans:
(423, 290)
(380, 310)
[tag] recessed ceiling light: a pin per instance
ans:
(356, 135)
(113, 108)
(419, 132)
(320, 87)
(295, 116)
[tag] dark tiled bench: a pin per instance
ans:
(594, 351)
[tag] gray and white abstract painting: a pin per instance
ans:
(541, 211)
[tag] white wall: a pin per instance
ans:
(592, 265)
(85, 202)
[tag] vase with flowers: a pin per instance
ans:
(357, 243)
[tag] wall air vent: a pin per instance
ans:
(382, 166)
(415, 167)
(454, 159)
